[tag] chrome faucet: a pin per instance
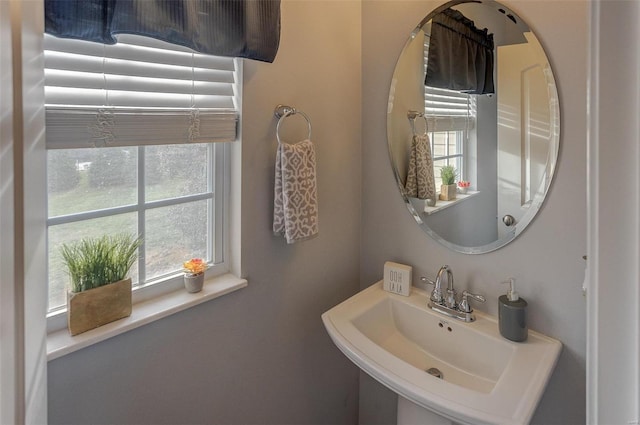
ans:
(448, 304)
(450, 299)
(437, 295)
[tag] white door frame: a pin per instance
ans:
(23, 294)
(9, 329)
(613, 236)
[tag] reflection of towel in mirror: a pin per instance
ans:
(295, 205)
(420, 179)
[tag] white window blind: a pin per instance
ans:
(449, 110)
(140, 91)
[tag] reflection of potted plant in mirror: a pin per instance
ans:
(463, 186)
(194, 274)
(448, 188)
(100, 292)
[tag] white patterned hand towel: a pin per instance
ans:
(295, 205)
(420, 179)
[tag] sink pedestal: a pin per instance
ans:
(410, 413)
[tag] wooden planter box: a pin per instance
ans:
(96, 307)
(448, 192)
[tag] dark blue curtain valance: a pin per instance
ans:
(238, 28)
(460, 55)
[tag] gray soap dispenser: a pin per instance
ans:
(512, 314)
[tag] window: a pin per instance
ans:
(130, 138)
(451, 119)
(448, 149)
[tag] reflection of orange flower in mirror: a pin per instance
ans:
(195, 266)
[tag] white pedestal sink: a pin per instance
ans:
(486, 379)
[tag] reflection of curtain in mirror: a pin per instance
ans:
(460, 55)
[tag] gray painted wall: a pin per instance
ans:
(260, 355)
(546, 259)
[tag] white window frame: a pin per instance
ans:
(165, 295)
(217, 186)
(448, 158)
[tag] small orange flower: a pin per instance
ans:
(195, 266)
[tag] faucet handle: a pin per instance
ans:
(436, 294)
(464, 303)
(427, 280)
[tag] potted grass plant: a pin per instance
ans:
(100, 290)
(448, 189)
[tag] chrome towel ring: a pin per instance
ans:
(412, 115)
(283, 111)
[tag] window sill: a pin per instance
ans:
(60, 343)
(421, 205)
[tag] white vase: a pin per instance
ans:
(193, 282)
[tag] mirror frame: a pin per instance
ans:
(553, 154)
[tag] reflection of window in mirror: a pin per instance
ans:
(451, 117)
(448, 149)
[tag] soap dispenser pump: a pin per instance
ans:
(512, 314)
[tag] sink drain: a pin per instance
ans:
(435, 372)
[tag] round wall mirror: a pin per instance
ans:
(473, 125)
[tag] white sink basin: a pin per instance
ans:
(485, 378)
